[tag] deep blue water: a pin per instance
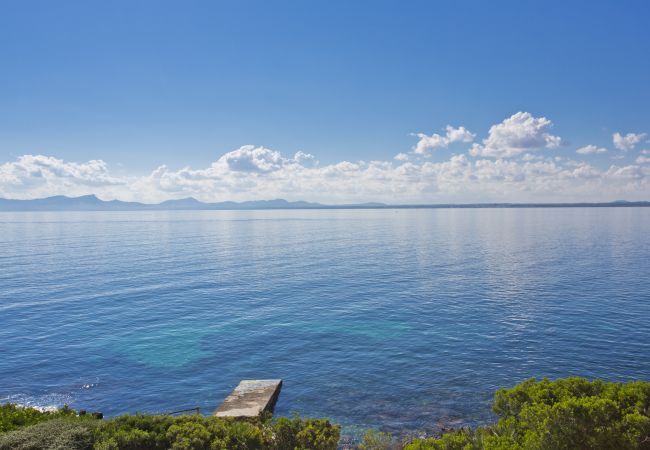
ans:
(394, 319)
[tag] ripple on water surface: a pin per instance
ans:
(398, 320)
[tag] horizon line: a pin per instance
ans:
(286, 204)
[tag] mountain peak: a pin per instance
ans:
(182, 201)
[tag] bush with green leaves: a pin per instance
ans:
(567, 414)
(30, 429)
(317, 434)
(13, 416)
(378, 440)
(141, 432)
(58, 433)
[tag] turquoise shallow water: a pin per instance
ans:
(394, 319)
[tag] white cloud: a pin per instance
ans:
(628, 141)
(40, 176)
(252, 172)
(590, 150)
(249, 158)
(460, 134)
(305, 159)
(515, 135)
(258, 173)
(428, 143)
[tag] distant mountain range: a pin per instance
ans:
(92, 203)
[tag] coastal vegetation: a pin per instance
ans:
(13, 417)
(53, 431)
(566, 414)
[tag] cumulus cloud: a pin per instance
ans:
(253, 172)
(628, 141)
(249, 158)
(427, 143)
(37, 175)
(517, 134)
(590, 150)
(305, 159)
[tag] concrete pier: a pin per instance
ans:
(250, 398)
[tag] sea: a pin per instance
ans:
(402, 320)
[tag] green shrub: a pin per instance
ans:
(200, 433)
(13, 417)
(213, 433)
(30, 429)
(54, 434)
(137, 432)
(377, 440)
(567, 414)
(315, 434)
(281, 434)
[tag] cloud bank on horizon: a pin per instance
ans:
(515, 162)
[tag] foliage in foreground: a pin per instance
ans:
(208, 433)
(377, 440)
(69, 433)
(142, 432)
(13, 417)
(566, 414)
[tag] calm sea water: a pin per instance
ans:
(393, 319)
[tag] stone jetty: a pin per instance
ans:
(250, 398)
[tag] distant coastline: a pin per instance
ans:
(92, 203)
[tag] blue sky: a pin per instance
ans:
(138, 85)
